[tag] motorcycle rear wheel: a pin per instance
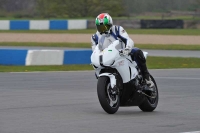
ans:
(109, 102)
(150, 104)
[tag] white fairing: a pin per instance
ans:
(112, 78)
(95, 57)
(110, 56)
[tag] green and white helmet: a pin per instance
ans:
(103, 23)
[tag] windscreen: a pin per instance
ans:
(102, 43)
(106, 40)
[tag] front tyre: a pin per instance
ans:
(108, 99)
(150, 104)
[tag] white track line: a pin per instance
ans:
(192, 132)
(178, 78)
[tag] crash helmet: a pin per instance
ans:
(103, 23)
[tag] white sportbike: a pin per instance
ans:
(120, 82)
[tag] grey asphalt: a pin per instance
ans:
(164, 53)
(66, 102)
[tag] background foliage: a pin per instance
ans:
(78, 8)
(90, 8)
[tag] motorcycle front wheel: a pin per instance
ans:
(108, 99)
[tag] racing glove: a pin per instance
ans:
(126, 51)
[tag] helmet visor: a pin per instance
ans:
(103, 28)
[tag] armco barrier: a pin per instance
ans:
(77, 24)
(4, 24)
(19, 25)
(58, 24)
(77, 57)
(39, 25)
(42, 24)
(90, 24)
(44, 57)
(13, 57)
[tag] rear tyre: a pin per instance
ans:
(109, 101)
(150, 104)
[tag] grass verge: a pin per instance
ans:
(45, 68)
(152, 63)
(38, 44)
(129, 31)
(168, 47)
(172, 62)
(87, 45)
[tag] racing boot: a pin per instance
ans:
(141, 61)
(146, 75)
(148, 80)
(138, 56)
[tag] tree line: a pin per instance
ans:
(78, 8)
(91, 8)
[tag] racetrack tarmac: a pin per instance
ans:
(66, 102)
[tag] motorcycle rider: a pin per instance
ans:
(104, 25)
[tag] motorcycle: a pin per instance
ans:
(120, 82)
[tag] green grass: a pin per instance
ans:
(35, 44)
(129, 31)
(88, 45)
(152, 63)
(172, 62)
(45, 68)
(168, 47)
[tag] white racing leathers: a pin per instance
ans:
(116, 33)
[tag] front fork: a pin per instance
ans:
(112, 78)
(114, 81)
